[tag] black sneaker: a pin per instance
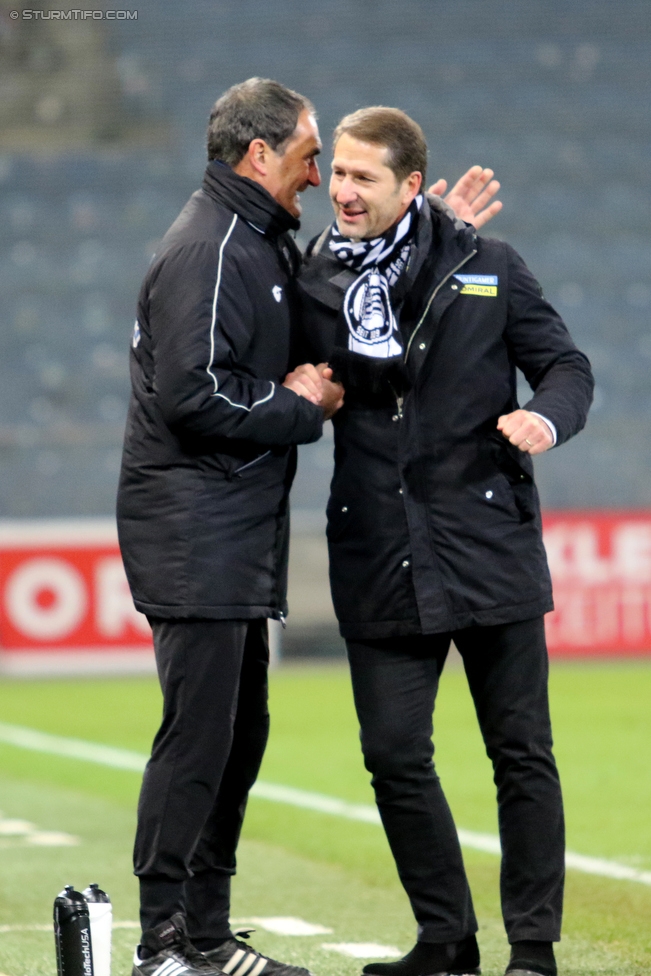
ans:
(432, 959)
(237, 958)
(172, 953)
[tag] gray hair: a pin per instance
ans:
(255, 109)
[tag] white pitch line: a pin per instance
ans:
(362, 950)
(5, 929)
(316, 801)
(57, 745)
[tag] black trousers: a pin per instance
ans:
(395, 682)
(205, 758)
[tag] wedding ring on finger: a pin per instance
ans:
(527, 441)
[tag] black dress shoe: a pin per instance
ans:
(432, 959)
(532, 959)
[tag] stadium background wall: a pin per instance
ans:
(102, 140)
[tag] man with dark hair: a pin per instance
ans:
(434, 525)
(209, 458)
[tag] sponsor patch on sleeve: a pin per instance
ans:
(485, 285)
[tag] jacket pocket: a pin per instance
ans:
(238, 472)
(234, 467)
(517, 467)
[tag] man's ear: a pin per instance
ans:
(254, 162)
(411, 186)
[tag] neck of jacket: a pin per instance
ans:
(248, 199)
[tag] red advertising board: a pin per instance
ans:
(601, 570)
(64, 600)
(65, 603)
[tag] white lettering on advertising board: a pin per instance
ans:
(47, 599)
(115, 607)
(573, 553)
(601, 571)
(65, 605)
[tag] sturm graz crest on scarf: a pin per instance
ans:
(371, 322)
(372, 326)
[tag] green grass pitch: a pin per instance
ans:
(318, 867)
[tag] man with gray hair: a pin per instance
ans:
(209, 457)
(203, 517)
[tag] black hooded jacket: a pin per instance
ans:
(209, 452)
(433, 520)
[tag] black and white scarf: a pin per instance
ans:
(368, 308)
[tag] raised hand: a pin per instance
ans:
(470, 197)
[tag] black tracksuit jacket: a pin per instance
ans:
(209, 451)
(433, 520)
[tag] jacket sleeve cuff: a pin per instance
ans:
(551, 426)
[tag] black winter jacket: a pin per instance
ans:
(209, 451)
(433, 519)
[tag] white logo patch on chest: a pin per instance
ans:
(277, 292)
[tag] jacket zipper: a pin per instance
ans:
(433, 296)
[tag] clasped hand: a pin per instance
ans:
(315, 384)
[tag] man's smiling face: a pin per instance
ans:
(292, 170)
(365, 193)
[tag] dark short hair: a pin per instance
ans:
(392, 128)
(255, 109)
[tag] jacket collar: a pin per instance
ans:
(451, 244)
(247, 199)
(444, 210)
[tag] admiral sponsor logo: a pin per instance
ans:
(485, 285)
